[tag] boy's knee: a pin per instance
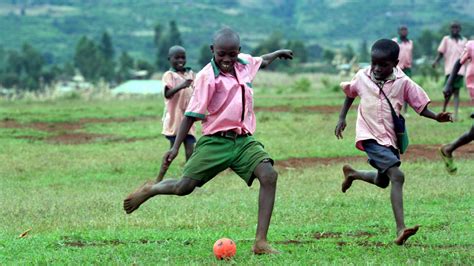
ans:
(396, 176)
(269, 178)
(382, 182)
(184, 188)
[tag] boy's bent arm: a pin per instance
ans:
(440, 117)
(169, 92)
(438, 57)
(183, 130)
(341, 124)
(267, 59)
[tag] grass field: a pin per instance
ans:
(66, 166)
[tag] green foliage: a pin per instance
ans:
(364, 52)
(88, 59)
(172, 37)
(302, 85)
(348, 52)
(126, 65)
(328, 55)
(205, 55)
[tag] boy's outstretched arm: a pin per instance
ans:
(440, 117)
(282, 54)
(169, 92)
(183, 130)
(341, 124)
(448, 88)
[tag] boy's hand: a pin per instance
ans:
(285, 54)
(444, 117)
(169, 157)
(186, 83)
(341, 125)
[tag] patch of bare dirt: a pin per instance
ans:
(414, 153)
(77, 138)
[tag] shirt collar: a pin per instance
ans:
(391, 77)
(186, 69)
(216, 69)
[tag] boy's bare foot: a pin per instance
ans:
(262, 247)
(404, 234)
(135, 199)
(347, 183)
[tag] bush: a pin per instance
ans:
(302, 85)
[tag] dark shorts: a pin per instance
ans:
(189, 139)
(214, 154)
(380, 157)
(458, 82)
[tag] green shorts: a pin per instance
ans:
(407, 71)
(214, 154)
(457, 83)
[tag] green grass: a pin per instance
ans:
(71, 195)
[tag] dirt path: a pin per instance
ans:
(325, 109)
(414, 153)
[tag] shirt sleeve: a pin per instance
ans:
(443, 45)
(466, 55)
(253, 63)
(168, 80)
(415, 96)
(351, 88)
(203, 91)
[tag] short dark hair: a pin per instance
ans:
(388, 47)
(226, 34)
(174, 49)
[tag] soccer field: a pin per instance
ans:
(67, 164)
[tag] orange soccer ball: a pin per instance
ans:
(224, 248)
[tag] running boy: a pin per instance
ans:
(223, 101)
(177, 92)
(447, 150)
(451, 48)
(375, 130)
(405, 57)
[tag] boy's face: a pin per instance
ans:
(403, 32)
(178, 60)
(381, 65)
(225, 54)
(455, 30)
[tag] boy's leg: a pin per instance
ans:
(181, 187)
(267, 177)
(372, 177)
(189, 146)
(396, 197)
(456, 103)
(467, 137)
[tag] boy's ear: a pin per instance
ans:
(239, 49)
(395, 63)
(212, 48)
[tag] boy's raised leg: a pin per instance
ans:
(372, 177)
(266, 199)
(396, 197)
(181, 187)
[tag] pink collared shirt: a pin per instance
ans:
(374, 118)
(468, 57)
(224, 102)
(452, 50)
(175, 106)
(405, 56)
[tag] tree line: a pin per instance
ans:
(30, 69)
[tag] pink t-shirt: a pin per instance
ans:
(452, 50)
(176, 105)
(468, 57)
(224, 102)
(405, 56)
(374, 118)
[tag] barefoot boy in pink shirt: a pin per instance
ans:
(467, 58)
(223, 101)
(177, 92)
(375, 134)
(451, 48)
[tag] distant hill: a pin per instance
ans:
(55, 26)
